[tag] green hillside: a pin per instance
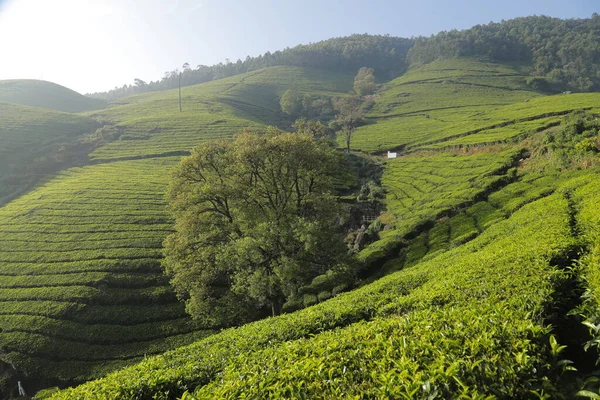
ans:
(27, 136)
(153, 124)
(82, 288)
(480, 269)
(460, 102)
(81, 285)
(42, 94)
(472, 309)
(480, 244)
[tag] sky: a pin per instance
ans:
(95, 45)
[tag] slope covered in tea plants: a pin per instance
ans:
(42, 94)
(81, 288)
(82, 291)
(461, 102)
(153, 124)
(475, 263)
(29, 134)
(463, 323)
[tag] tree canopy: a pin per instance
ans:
(563, 51)
(255, 220)
(364, 82)
(291, 102)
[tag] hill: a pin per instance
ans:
(29, 137)
(560, 55)
(479, 271)
(42, 94)
(471, 308)
(345, 54)
(153, 124)
(81, 286)
(485, 224)
(458, 102)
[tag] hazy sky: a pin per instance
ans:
(95, 45)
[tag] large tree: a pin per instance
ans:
(255, 220)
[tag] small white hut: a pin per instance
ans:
(392, 155)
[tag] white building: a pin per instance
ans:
(392, 155)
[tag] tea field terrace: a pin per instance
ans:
(461, 102)
(48, 95)
(153, 124)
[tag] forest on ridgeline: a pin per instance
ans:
(562, 54)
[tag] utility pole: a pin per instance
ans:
(180, 91)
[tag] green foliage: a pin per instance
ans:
(32, 139)
(212, 110)
(538, 83)
(459, 103)
(371, 192)
(81, 286)
(255, 221)
(80, 255)
(364, 82)
(572, 144)
(82, 290)
(311, 128)
(561, 50)
(291, 103)
(424, 187)
(350, 114)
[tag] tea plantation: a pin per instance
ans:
(465, 323)
(460, 102)
(469, 292)
(153, 124)
(29, 133)
(82, 291)
(29, 92)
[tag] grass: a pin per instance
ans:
(42, 94)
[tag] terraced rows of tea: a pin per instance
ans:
(461, 102)
(48, 95)
(480, 327)
(27, 133)
(424, 188)
(465, 223)
(154, 126)
(421, 187)
(82, 291)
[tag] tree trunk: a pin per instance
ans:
(348, 135)
(276, 306)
